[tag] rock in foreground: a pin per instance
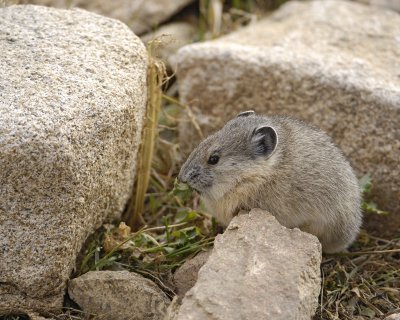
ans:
(387, 4)
(186, 275)
(118, 295)
(258, 269)
(140, 15)
(395, 316)
(333, 63)
(72, 101)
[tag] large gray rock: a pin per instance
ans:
(333, 63)
(118, 295)
(395, 316)
(72, 102)
(140, 15)
(258, 269)
(185, 276)
(389, 4)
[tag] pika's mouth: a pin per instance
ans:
(184, 187)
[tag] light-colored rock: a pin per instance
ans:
(171, 37)
(388, 4)
(118, 295)
(140, 15)
(258, 269)
(173, 309)
(72, 102)
(333, 63)
(394, 316)
(186, 275)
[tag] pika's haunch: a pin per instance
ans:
(281, 165)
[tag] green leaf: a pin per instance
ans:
(154, 204)
(181, 190)
(169, 249)
(179, 186)
(192, 215)
(368, 312)
(186, 215)
(167, 230)
(365, 184)
(368, 206)
(105, 262)
(371, 207)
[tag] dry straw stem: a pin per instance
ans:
(156, 72)
(215, 17)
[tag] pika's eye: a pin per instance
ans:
(213, 159)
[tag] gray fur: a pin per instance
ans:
(305, 181)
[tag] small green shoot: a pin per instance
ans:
(367, 205)
(156, 250)
(181, 190)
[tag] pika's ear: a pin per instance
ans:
(246, 113)
(264, 141)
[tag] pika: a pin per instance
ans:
(284, 166)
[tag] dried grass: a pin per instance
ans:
(361, 284)
(155, 76)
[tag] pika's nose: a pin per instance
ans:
(188, 175)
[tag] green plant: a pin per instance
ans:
(175, 226)
(155, 250)
(368, 206)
